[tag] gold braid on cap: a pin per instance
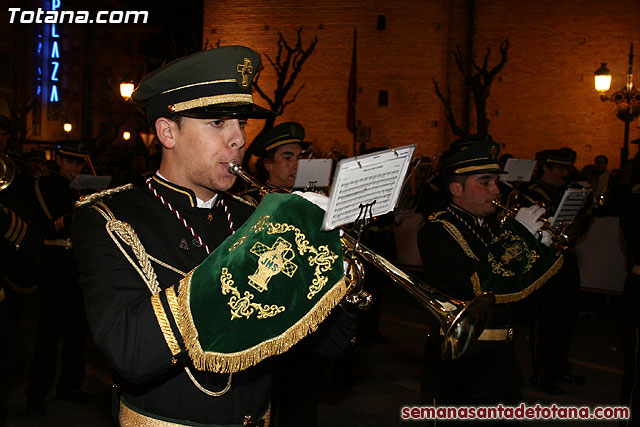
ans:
(242, 98)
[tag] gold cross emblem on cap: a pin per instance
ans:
(246, 69)
(271, 261)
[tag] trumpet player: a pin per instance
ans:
(185, 314)
(557, 304)
(455, 245)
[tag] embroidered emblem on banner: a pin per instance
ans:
(243, 305)
(514, 249)
(272, 260)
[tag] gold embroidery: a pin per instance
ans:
(497, 268)
(241, 306)
(514, 249)
(246, 69)
(272, 260)
(238, 243)
(322, 258)
(455, 233)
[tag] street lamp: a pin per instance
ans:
(627, 100)
(126, 135)
(67, 127)
(126, 89)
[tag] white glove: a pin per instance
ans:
(530, 218)
(546, 238)
(320, 200)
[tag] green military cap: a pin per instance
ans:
(557, 156)
(470, 155)
(208, 84)
(73, 148)
(284, 133)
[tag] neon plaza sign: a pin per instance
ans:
(49, 45)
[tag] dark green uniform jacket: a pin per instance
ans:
(488, 372)
(126, 321)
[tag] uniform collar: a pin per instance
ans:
(180, 196)
(465, 214)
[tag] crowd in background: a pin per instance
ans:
(134, 162)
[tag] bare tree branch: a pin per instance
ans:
(478, 79)
(287, 64)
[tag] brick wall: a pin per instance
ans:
(544, 96)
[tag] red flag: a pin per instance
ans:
(351, 93)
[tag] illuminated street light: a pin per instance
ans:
(126, 89)
(627, 100)
(67, 127)
(126, 135)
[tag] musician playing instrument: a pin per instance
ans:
(631, 231)
(61, 312)
(464, 252)
(185, 329)
(558, 303)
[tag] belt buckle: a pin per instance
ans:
(248, 421)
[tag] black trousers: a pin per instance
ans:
(555, 313)
(61, 316)
(630, 394)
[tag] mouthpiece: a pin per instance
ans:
(233, 167)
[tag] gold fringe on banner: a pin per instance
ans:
(234, 362)
(517, 296)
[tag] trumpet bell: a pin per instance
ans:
(7, 171)
(467, 326)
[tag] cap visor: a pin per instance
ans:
(249, 111)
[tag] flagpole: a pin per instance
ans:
(352, 94)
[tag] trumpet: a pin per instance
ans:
(461, 322)
(560, 239)
(7, 171)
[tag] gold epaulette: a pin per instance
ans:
(243, 200)
(435, 215)
(91, 199)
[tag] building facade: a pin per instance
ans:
(543, 98)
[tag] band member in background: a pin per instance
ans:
(558, 303)
(61, 314)
(631, 231)
(455, 244)
(139, 276)
(19, 250)
(295, 386)
(278, 151)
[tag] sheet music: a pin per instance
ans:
(91, 182)
(310, 170)
(570, 205)
(361, 180)
(518, 170)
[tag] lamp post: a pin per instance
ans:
(627, 100)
